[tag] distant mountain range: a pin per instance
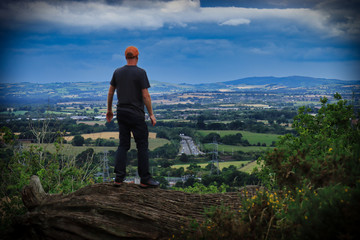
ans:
(97, 91)
(259, 83)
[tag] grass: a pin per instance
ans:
(237, 164)
(305, 103)
(57, 113)
(17, 113)
(173, 120)
(253, 138)
(231, 148)
(105, 135)
(70, 150)
(249, 167)
(244, 166)
(217, 121)
(92, 123)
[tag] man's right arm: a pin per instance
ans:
(109, 114)
(147, 102)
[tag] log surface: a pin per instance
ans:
(109, 211)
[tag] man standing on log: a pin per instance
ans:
(131, 84)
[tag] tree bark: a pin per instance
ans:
(109, 211)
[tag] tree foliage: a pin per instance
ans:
(230, 139)
(312, 184)
(324, 151)
(78, 140)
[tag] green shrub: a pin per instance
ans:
(57, 173)
(326, 213)
(201, 189)
(325, 150)
(313, 182)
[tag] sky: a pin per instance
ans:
(180, 41)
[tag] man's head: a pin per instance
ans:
(131, 52)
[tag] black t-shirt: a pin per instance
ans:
(129, 81)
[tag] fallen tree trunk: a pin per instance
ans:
(109, 211)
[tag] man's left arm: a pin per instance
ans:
(109, 114)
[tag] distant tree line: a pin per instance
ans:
(232, 139)
(246, 125)
(230, 176)
(67, 125)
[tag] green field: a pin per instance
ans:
(253, 138)
(57, 112)
(15, 112)
(231, 148)
(244, 166)
(237, 164)
(250, 167)
(92, 123)
(173, 120)
(70, 150)
(305, 103)
(217, 121)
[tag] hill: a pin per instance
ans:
(292, 81)
(279, 83)
(97, 91)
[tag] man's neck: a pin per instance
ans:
(132, 62)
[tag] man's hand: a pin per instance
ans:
(153, 119)
(109, 116)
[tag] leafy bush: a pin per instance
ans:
(105, 142)
(201, 189)
(209, 138)
(325, 150)
(326, 213)
(312, 180)
(58, 174)
(78, 140)
(232, 139)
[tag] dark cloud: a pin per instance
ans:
(344, 15)
(261, 3)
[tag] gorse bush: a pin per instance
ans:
(221, 223)
(325, 150)
(312, 184)
(325, 213)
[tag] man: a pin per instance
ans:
(131, 84)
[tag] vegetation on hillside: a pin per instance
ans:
(59, 173)
(311, 177)
(312, 184)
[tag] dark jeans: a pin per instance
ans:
(130, 122)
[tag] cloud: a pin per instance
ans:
(95, 15)
(259, 51)
(236, 22)
(342, 15)
(183, 48)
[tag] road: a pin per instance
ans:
(188, 146)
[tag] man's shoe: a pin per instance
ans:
(150, 183)
(118, 180)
